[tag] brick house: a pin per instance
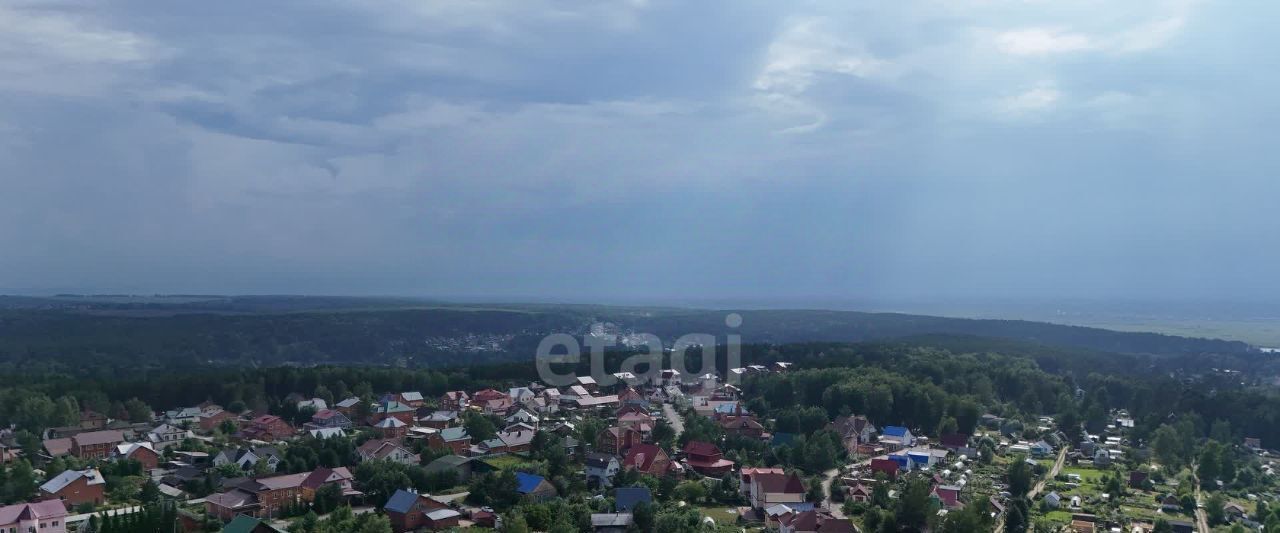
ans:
(95, 444)
(330, 418)
(92, 420)
(74, 487)
(211, 421)
(389, 450)
(617, 440)
(454, 401)
(260, 498)
(456, 440)
(410, 511)
(648, 459)
(142, 452)
(267, 428)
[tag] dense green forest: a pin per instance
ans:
(69, 334)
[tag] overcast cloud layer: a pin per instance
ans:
(642, 148)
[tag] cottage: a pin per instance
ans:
(534, 487)
(611, 522)
(248, 458)
(330, 418)
(853, 430)
(600, 469)
(648, 459)
(898, 436)
(454, 400)
(95, 444)
(391, 428)
(261, 498)
(211, 421)
(773, 488)
(46, 517)
(462, 467)
(393, 409)
(185, 415)
(268, 428)
(617, 440)
(455, 439)
(142, 452)
(437, 419)
(410, 511)
(388, 450)
(166, 435)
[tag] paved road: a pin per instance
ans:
(673, 418)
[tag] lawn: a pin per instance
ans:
(721, 514)
(505, 462)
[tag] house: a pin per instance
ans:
(648, 459)
(600, 468)
(46, 517)
(92, 420)
(955, 441)
(588, 383)
(268, 428)
(1053, 500)
(814, 522)
(706, 459)
(625, 499)
(533, 487)
(611, 522)
(617, 440)
(393, 409)
(1102, 457)
(410, 511)
(248, 458)
(1170, 503)
(1137, 479)
(742, 425)
(947, 496)
(640, 422)
(1182, 526)
(186, 415)
(249, 524)
(522, 416)
(260, 498)
(348, 406)
(772, 488)
(96, 444)
(1235, 511)
(744, 478)
(142, 452)
(596, 402)
(322, 476)
(888, 467)
(389, 450)
(1041, 449)
(211, 421)
(860, 493)
(516, 441)
(74, 487)
(462, 467)
(391, 428)
(853, 430)
(438, 419)
(491, 401)
(455, 439)
(412, 399)
(898, 436)
(165, 435)
(330, 418)
(454, 400)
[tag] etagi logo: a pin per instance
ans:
(651, 358)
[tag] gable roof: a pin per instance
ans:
(697, 447)
(32, 511)
(642, 456)
(401, 501)
(411, 396)
(93, 438)
(599, 460)
(626, 498)
(895, 431)
(452, 434)
(527, 482)
(248, 524)
(68, 477)
(779, 483)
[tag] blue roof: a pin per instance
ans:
(401, 501)
(527, 482)
(626, 498)
(895, 431)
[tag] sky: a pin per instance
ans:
(642, 149)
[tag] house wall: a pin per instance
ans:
(78, 492)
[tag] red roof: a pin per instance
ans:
(641, 456)
(487, 395)
(697, 447)
(779, 483)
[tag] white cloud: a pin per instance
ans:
(1041, 97)
(1042, 41)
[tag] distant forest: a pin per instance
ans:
(67, 334)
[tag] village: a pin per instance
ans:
(621, 447)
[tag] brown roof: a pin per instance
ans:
(57, 447)
(641, 456)
(286, 481)
(697, 447)
(780, 483)
(231, 499)
(92, 438)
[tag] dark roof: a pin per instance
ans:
(249, 524)
(598, 460)
(401, 501)
(697, 447)
(780, 483)
(626, 498)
